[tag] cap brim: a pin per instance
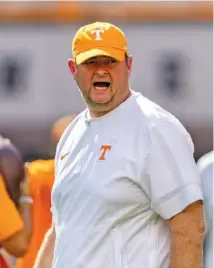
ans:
(111, 52)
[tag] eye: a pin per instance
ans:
(111, 61)
(90, 62)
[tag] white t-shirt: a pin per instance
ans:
(206, 165)
(117, 178)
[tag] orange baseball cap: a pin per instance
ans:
(99, 39)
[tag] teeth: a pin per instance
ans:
(100, 88)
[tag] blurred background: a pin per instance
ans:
(172, 47)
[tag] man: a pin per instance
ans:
(206, 165)
(127, 191)
(15, 204)
(41, 178)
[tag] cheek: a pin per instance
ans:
(119, 78)
(83, 80)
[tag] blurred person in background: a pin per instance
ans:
(206, 165)
(15, 204)
(127, 191)
(41, 178)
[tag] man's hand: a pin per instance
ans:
(187, 235)
(25, 184)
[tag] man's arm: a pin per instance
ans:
(18, 243)
(16, 229)
(187, 234)
(45, 255)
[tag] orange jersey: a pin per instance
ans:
(10, 219)
(41, 177)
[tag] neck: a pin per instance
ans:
(96, 114)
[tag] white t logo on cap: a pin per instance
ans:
(97, 32)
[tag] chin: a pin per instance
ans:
(100, 106)
(101, 102)
(104, 102)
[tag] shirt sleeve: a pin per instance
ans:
(171, 177)
(10, 221)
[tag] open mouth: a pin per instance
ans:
(101, 84)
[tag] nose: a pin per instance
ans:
(101, 72)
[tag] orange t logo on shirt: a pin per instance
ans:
(104, 149)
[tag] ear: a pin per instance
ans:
(129, 63)
(72, 67)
